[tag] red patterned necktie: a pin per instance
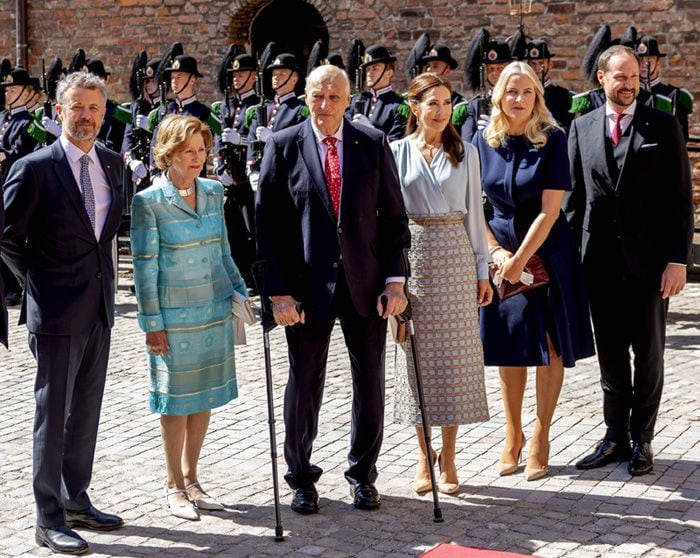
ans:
(617, 130)
(332, 170)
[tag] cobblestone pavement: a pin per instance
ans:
(570, 513)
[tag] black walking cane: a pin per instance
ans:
(268, 324)
(406, 315)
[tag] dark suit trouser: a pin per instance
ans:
(69, 385)
(308, 344)
(239, 214)
(629, 314)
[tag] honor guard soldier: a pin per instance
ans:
(380, 106)
(557, 98)
(182, 75)
(46, 114)
(485, 62)
(681, 99)
(116, 118)
(237, 79)
(286, 109)
(18, 137)
(18, 134)
(584, 102)
(143, 86)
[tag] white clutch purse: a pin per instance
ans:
(242, 315)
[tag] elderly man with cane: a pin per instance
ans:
(332, 228)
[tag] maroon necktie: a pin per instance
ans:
(617, 130)
(332, 170)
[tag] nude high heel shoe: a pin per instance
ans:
(422, 485)
(505, 469)
(446, 487)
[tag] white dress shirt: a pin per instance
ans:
(611, 118)
(98, 179)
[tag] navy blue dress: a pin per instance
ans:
(514, 331)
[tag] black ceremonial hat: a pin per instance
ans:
(538, 50)
(18, 76)
(376, 54)
(243, 63)
(285, 60)
(649, 46)
(95, 66)
(497, 52)
(184, 63)
(441, 53)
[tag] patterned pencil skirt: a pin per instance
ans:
(442, 290)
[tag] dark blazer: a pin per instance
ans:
(3, 309)
(644, 216)
(298, 235)
(386, 115)
(50, 245)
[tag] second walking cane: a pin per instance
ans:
(268, 324)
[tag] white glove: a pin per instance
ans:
(138, 170)
(3, 157)
(483, 121)
(362, 120)
(225, 178)
(229, 135)
(263, 133)
(52, 127)
(254, 178)
(142, 122)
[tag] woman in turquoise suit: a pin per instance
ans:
(185, 279)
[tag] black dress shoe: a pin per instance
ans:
(94, 519)
(642, 460)
(60, 539)
(605, 452)
(305, 500)
(365, 496)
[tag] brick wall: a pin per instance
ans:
(115, 30)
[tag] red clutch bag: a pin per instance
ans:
(534, 267)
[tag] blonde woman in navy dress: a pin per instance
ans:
(524, 173)
(185, 279)
(441, 188)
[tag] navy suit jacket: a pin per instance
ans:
(298, 235)
(3, 309)
(642, 218)
(49, 243)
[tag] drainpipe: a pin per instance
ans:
(21, 32)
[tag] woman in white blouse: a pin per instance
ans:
(440, 183)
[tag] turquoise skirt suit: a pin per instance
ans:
(185, 277)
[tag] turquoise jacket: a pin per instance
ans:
(181, 256)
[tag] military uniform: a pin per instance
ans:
(680, 100)
(386, 110)
(557, 98)
(239, 207)
(482, 52)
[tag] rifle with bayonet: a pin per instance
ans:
(232, 156)
(260, 114)
(141, 144)
(48, 106)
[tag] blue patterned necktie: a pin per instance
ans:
(86, 185)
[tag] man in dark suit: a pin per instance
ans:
(632, 207)
(332, 230)
(63, 210)
(3, 309)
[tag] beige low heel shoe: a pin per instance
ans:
(208, 503)
(183, 510)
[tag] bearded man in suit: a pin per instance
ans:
(632, 209)
(63, 209)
